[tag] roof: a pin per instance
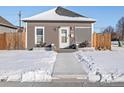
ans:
(6, 23)
(59, 14)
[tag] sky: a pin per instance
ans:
(104, 15)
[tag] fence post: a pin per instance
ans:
(5, 42)
(23, 40)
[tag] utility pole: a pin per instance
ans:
(20, 14)
(20, 30)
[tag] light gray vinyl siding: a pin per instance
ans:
(82, 34)
(6, 29)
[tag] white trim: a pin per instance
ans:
(26, 36)
(81, 27)
(92, 31)
(92, 28)
(68, 29)
(36, 27)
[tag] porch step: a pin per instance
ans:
(38, 48)
(87, 49)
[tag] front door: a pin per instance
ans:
(63, 37)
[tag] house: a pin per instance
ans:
(59, 26)
(6, 26)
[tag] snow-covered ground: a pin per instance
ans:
(26, 66)
(103, 66)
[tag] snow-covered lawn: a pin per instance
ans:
(103, 66)
(26, 66)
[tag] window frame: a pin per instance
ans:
(39, 27)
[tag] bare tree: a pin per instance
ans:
(120, 28)
(108, 29)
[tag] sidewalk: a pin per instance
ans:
(60, 84)
(67, 66)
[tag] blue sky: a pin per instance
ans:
(104, 15)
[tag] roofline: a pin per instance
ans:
(8, 26)
(58, 21)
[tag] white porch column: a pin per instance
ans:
(92, 31)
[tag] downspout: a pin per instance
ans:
(26, 36)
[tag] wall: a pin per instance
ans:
(51, 31)
(6, 29)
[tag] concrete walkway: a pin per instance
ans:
(60, 84)
(67, 66)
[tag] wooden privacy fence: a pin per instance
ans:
(101, 41)
(12, 40)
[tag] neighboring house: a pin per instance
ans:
(6, 26)
(59, 26)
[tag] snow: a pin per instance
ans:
(26, 66)
(103, 66)
(52, 15)
(16, 77)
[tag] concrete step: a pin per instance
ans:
(87, 49)
(66, 50)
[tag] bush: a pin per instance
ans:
(73, 46)
(48, 47)
(83, 44)
(41, 45)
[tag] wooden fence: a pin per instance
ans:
(11, 40)
(101, 41)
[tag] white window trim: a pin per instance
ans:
(36, 27)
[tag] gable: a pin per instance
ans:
(5, 23)
(59, 14)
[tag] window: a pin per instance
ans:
(64, 36)
(64, 31)
(39, 35)
(64, 39)
(82, 34)
(39, 31)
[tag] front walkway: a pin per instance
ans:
(66, 66)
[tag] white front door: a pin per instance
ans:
(64, 37)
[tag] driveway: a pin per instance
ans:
(66, 66)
